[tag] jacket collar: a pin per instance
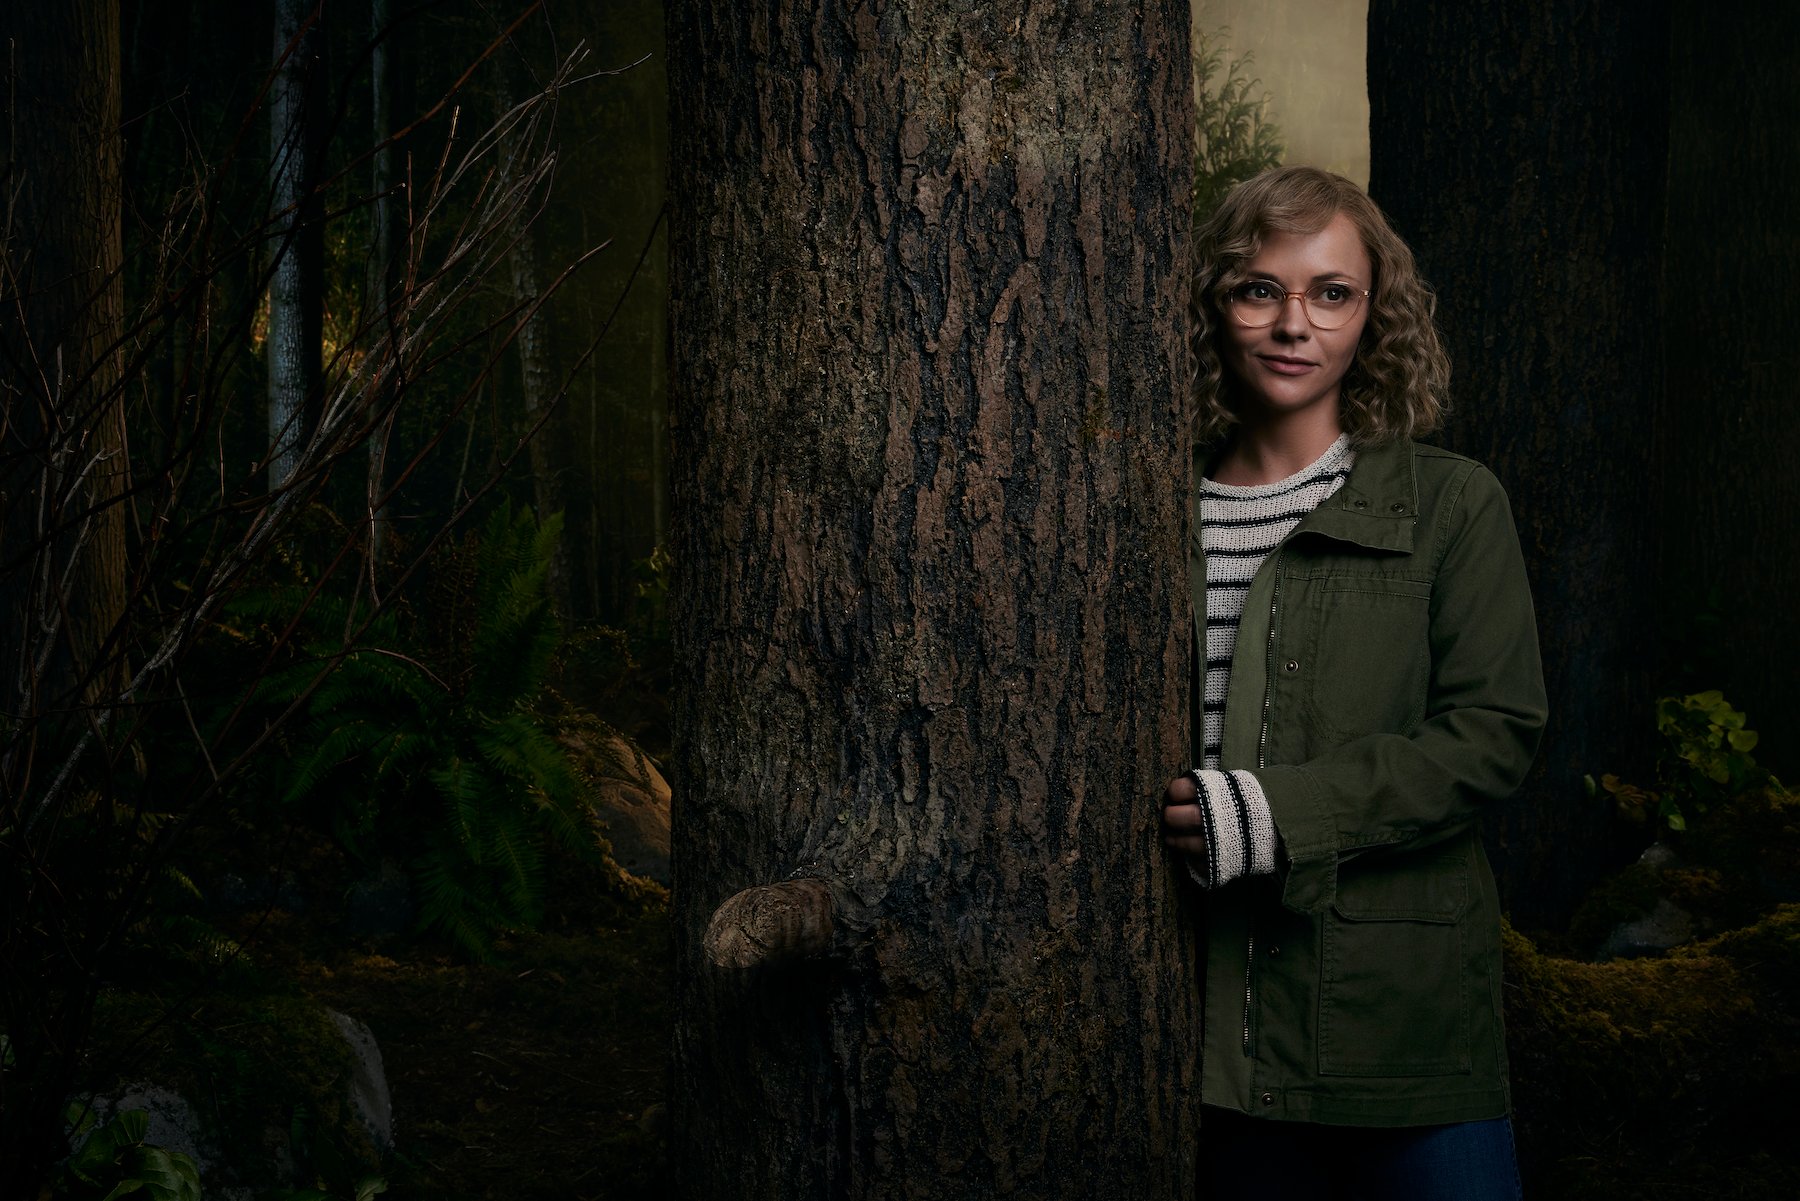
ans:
(1378, 506)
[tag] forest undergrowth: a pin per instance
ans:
(539, 1075)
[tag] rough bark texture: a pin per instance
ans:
(62, 438)
(1730, 427)
(1520, 148)
(929, 261)
(62, 469)
(297, 278)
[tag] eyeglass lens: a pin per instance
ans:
(1330, 305)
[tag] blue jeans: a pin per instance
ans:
(1243, 1158)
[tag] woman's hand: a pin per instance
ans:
(1183, 824)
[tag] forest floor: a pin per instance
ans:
(543, 1075)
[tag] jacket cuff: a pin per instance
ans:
(1308, 837)
(1240, 833)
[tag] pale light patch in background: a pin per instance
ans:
(1311, 56)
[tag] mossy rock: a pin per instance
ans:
(1637, 1078)
(267, 1073)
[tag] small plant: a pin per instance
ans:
(1234, 138)
(118, 1161)
(1704, 762)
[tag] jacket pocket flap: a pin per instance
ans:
(1428, 886)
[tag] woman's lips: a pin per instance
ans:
(1285, 366)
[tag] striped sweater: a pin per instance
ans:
(1239, 526)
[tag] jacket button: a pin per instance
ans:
(1268, 1099)
(1398, 507)
(1362, 504)
(1293, 665)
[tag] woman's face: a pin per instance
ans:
(1292, 367)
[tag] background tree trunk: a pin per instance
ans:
(1730, 427)
(297, 278)
(62, 470)
(382, 263)
(542, 407)
(1520, 148)
(930, 456)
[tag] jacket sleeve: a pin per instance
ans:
(1484, 713)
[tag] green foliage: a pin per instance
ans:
(456, 768)
(116, 1160)
(1704, 762)
(1234, 138)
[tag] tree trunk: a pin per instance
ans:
(1730, 429)
(297, 279)
(544, 413)
(62, 472)
(1520, 148)
(382, 265)
(930, 457)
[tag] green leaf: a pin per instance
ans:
(370, 1186)
(1677, 822)
(1743, 740)
(167, 1175)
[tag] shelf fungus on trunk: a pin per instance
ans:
(770, 924)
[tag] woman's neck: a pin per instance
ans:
(1267, 451)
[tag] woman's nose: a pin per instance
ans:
(1292, 321)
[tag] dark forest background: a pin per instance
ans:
(338, 526)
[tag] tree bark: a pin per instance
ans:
(1520, 148)
(62, 472)
(62, 436)
(930, 451)
(297, 278)
(1729, 427)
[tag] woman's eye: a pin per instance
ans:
(1332, 294)
(1257, 290)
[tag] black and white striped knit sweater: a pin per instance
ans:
(1239, 526)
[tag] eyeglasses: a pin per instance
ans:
(1256, 303)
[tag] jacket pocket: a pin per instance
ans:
(1372, 661)
(1394, 993)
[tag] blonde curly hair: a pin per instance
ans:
(1397, 385)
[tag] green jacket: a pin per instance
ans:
(1385, 691)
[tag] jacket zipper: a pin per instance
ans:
(1262, 748)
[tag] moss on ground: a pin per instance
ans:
(1672, 1077)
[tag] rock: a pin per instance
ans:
(1667, 925)
(173, 1125)
(235, 894)
(630, 796)
(380, 905)
(369, 1095)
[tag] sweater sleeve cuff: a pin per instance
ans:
(1240, 832)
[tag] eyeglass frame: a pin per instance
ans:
(1280, 307)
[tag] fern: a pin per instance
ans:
(457, 765)
(1234, 138)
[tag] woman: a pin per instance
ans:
(1370, 687)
